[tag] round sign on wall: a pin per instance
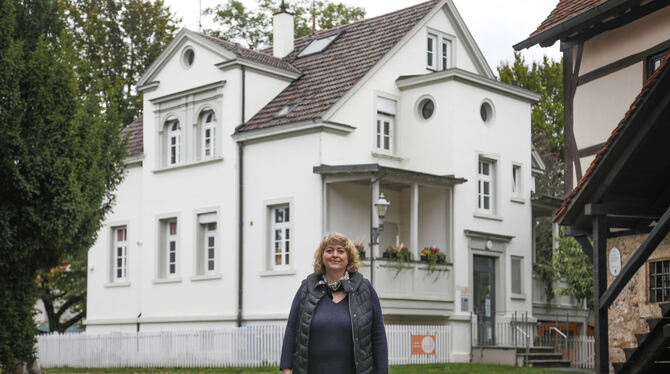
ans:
(615, 261)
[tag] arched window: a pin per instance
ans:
(208, 134)
(173, 142)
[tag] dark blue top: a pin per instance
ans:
(331, 349)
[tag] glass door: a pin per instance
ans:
(484, 298)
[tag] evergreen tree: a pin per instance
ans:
(60, 160)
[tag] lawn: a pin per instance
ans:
(399, 369)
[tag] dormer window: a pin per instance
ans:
(318, 45)
(286, 109)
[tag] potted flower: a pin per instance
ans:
(433, 256)
(360, 247)
(398, 253)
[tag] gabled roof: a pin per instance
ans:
(573, 19)
(134, 132)
(328, 75)
(578, 196)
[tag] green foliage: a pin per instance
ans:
(60, 159)
(399, 255)
(116, 40)
(62, 290)
(433, 256)
(545, 78)
(572, 264)
(253, 28)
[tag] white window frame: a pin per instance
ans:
(431, 55)
(204, 221)
(439, 58)
(171, 238)
(210, 249)
(520, 260)
(283, 246)
(517, 181)
(385, 113)
(173, 133)
(120, 259)
(211, 126)
(482, 180)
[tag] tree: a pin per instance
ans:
(253, 28)
(116, 41)
(61, 158)
(62, 290)
(572, 264)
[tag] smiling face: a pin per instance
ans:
(335, 258)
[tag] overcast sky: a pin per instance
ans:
(495, 27)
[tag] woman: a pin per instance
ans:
(335, 325)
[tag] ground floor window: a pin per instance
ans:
(659, 281)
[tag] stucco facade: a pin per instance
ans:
(432, 185)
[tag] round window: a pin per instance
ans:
(486, 112)
(427, 107)
(189, 56)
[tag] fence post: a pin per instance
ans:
(525, 323)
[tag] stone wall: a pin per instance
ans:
(628, 313)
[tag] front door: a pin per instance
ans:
(484, 294)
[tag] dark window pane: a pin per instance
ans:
(119, 251)
(486, 188)
(486, 202)
(287, 234)
(211, 226)
(173, 269)
(386, 142)
(119, 273)
(286, 215)
(119, 262)
(210, 241)
(277, 234)
(210, 265)
(210, 253)
(172, 256)
(287, 260)
(173, 246)
(483, 113)
(286, 245)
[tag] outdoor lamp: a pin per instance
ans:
(382, 205)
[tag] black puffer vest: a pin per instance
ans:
(360, 312)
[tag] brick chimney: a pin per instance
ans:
(282, 32)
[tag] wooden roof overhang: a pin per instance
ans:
(604, 16)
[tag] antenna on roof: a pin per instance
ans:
(313, 17)
(282, 7)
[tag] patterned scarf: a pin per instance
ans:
(333, 287)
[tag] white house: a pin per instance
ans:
(244, 158)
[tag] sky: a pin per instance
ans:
(494, 27)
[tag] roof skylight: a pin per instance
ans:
(286, 109)
(317, 45)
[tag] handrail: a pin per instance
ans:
(553, 328)
(521, 331)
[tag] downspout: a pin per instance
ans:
(240, 213)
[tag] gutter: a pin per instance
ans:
(555, 31)
(240, 213)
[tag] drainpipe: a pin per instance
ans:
(240, 214)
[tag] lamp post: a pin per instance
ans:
(381, 206)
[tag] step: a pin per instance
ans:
(617, 366)
(629, 352)
(549, 363)
(640, 338)
(540, 356)
(665, 309)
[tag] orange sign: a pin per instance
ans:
(423, 344)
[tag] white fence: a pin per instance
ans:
(251, 346)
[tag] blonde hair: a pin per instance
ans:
(336, 238)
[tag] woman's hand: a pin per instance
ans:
(286, 371)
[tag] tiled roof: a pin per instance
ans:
(134, 132)
(328, 75)
(267, 59)
(565, 9)
(567, 202)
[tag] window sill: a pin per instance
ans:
(387, 156)
(516, 296)
(117, 284)
(205, 277)
(188, 165)
(275, 273)
(166, 280)
(518, 200)
(485, 215)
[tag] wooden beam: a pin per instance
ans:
(621, 210)
(599, 285)
(638, 259)
(590, 150)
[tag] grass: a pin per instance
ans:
(398, 369)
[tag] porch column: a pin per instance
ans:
(414, 220)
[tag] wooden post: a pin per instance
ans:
(599, 286)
